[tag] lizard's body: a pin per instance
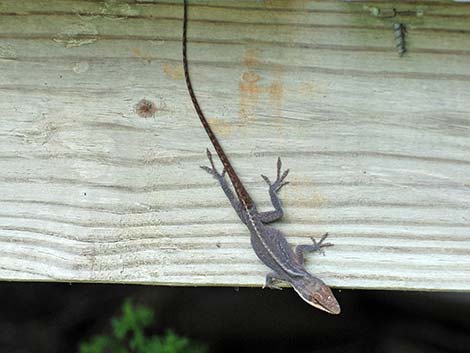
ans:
(269, 244)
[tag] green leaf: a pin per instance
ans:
(134, 319)
(97, 344)
(129, 336)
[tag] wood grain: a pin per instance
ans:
(378, 145)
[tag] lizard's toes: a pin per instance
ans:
(266, 179)
(207, 169)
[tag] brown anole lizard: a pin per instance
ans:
(269, 244)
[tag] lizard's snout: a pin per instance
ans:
(317, 294)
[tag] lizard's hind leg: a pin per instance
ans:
(220, 177)
(271, 216)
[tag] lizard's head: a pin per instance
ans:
(317, 294)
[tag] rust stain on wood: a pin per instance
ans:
(173, 71)
(252, 89)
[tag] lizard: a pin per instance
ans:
(269, 244)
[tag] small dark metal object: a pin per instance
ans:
(399, 30)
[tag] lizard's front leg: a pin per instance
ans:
(271, 279)
(225, 187)
(271, 216)
(300, 250)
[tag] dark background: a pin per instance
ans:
(55, 317)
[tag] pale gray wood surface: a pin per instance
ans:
(378, 145)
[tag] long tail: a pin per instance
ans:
(240, 190)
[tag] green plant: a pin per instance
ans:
(128, 336)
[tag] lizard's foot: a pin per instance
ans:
(271, 279)
(212, 169)
(300, 250)
(279, 183)
(318, 246)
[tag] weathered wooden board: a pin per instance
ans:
(378, 145)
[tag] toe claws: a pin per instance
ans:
(266, 179)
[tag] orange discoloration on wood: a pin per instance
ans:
(249, 95)
(175, 72)
(251, 88)
(276, 93)
(252, 57)
(136, 52)
(310, 87)
(318, 199)
(250, 76)
(221, 127)
(249, 85)
(139, 54)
